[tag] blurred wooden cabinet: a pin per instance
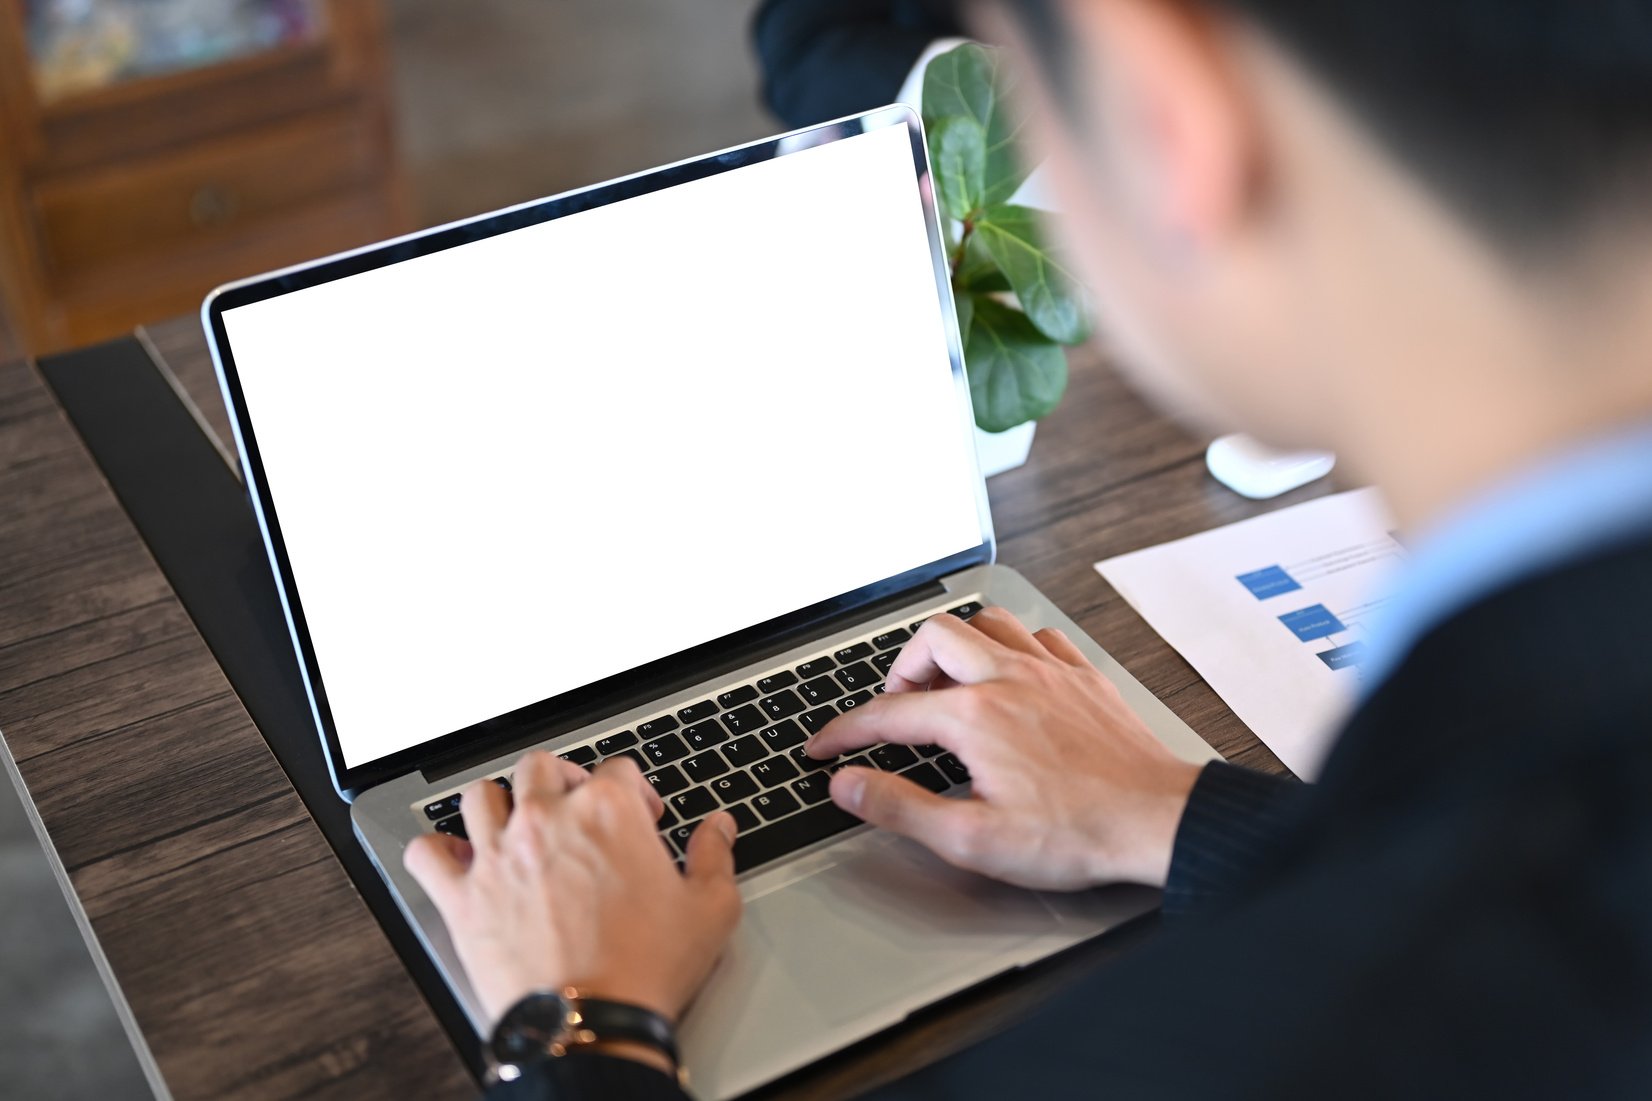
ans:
(125, 197)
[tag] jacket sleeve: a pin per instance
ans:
(1232, 818)
(822, 59)
(589, 1077)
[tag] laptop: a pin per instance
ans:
(670, 468)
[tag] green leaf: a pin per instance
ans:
(966, 314)
(978, 271)
(968, 81)
(1012, 237)
(1015, 373)
(958, 150)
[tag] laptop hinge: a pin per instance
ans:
(451, 764)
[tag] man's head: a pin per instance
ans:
(1322, 219)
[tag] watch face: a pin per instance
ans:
(528, 1029)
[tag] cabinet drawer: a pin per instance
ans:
(206, 191)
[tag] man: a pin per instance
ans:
(1417, 231)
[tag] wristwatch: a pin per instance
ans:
(549, 1024)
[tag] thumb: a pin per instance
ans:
(900, 806)
(710, 855)
(438, 862)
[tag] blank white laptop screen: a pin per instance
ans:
(521, 465)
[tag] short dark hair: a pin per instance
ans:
(1532, 118)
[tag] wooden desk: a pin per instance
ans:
(248, 959)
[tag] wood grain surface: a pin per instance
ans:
(250, 963)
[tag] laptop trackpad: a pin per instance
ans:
(890, 919)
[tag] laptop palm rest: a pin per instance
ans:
(851, 943)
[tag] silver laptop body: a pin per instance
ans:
(457, 444)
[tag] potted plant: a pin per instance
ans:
(1018, 306)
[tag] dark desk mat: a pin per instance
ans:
(193, 512)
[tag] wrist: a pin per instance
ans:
(1149, 837)
(635, 1052)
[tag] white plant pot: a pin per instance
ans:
(1001, 451)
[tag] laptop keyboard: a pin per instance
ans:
(741, 750)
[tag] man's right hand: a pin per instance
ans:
(1071, 790)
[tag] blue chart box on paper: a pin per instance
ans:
(1313, 623)
(1344, 657)
(1273, 581)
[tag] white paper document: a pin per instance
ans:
(1273, 612)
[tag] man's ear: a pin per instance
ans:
(1170, 127)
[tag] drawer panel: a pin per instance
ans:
(210, 191)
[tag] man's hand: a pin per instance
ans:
(572, 886)
(1070, 789)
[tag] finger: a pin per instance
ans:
(945, 826)
(623, 770)
(484, 807)
(539, 773)
(710, 854)
(1060, 646)
(437, 862)
(914, 718)
(943, 646)
(1002, 627)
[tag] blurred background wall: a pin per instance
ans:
(150, 149)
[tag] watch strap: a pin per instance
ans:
(608, 1021)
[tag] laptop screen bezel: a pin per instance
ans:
(513, 727)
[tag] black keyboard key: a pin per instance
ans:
(791, 834)
(953, 768)
(580, 755)
(734, 787)
(819, 690)
(895, 637)
(745, 751)
(928, 776)
(705, 766)
(849, 703)
(964, 611)
(679, 835)
(743, 720)
(816, 667)
(813, 720)
(812, 789)
(705, 735)
(781, 704)
(694, 712)
(893, 758)
(653, 728)
(667, 781)
(734, 697)
(853, 653)
(841, 763)
(666, 821)
(783, 679)
(441, 808)
(632, 755)
(805, 762)
(744, 817)
(775, 770)
(775, 804)
(882, 662)
(454, 826)
(504, 783)
(928, 750)
(692, 803)
(914, 627)
(615, 742)
(858, 675)
(662, 751)
(782, 735)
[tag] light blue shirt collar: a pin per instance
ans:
(1553, 512)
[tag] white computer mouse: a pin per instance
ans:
(1257, 471)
